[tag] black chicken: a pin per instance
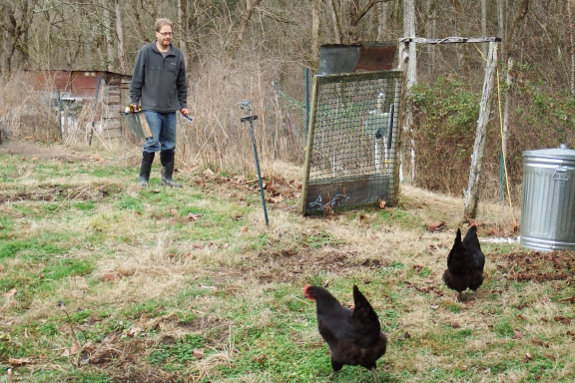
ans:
(354, 337)
(465, 263)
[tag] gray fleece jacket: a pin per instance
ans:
(158, 81)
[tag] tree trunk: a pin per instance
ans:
(457, 12)
(335, 19)
(523, 10)
(484, 25)
(382, 25)
(508, 96)
(108, 38)
(250, 7)
(120, 35)
(501, 19)
(183, 33)
(315, 25)
(570, 4)
(5, 43)
(430, 28)
(409, 31)
(356, 13)
(472, 193)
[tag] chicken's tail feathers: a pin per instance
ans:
(363, 312)
(470, 241)
(457, 238)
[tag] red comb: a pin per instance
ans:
(307, 294)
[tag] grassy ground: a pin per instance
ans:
(102, 281)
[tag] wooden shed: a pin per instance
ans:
(79, 88)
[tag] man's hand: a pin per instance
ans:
(185, 111)
(132, 108)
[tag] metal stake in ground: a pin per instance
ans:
(246, 105)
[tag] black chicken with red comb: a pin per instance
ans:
(465, 263)
(354, 336)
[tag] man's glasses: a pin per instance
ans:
(166, 34)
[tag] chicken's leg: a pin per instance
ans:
(374, 375)
(330, 376)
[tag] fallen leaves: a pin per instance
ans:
(571, 300)
(427, 289)
(194, 217)
(405, 336)
(134, 331)
(19, 361)
(518, 334)
(436, 226)
(275, 199)
(504, 230)
(1, 268)
(527, 266)
(564, 320)
(417, 268)
(75, 348)
(108, 277)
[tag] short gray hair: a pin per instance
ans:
(161, 22)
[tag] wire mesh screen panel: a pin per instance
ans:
(353, 137)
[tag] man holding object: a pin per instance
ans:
(159, 84)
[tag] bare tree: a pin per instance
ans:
(315, 25)
(17, 18)
(571, 14)
(120, 36)
(382, 25)
(249, 11)
(337, 35)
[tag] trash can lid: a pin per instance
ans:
(562, 152)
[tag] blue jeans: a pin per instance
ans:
(163, 128)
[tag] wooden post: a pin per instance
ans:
(395, 161)
(309, 145)
(472, 193)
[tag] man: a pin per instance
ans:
(159, 83)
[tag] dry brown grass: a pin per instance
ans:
(240, 281)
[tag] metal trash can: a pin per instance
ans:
(548, 205)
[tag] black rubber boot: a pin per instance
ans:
(147, 160)
(167, 159)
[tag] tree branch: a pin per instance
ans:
(523, 9)
(366, 9)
